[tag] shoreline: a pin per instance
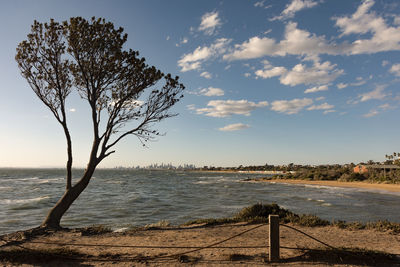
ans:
(363, 185)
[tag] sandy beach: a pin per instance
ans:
(365, 185)
(189, 246)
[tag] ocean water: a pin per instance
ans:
(120, 198)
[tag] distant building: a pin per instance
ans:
(360, 169)
(364, 168)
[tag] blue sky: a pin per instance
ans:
(303, 81)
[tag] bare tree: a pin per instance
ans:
(125, 95)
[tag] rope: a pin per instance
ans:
(214, 244)
(129, 246)
(309, 236)
(193, 249)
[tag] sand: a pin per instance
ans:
(365, 185)
(248, 249)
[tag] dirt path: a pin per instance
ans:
(154, 247)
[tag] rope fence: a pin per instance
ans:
(273, 247)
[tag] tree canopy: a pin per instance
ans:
(125, 95)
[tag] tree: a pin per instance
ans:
(88, 56)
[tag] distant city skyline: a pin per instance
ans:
(278, 82)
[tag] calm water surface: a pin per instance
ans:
(137, 197)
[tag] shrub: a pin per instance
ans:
(19, 255)
(159, 224)
(310, 221)
(95, 230)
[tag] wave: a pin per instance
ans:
(121, 230)
(34, 179)
(216, 181)
(5, 187)
(22, 201)
(315, 200)
(337, 189)
(46, 181)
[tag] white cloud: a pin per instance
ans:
(360, 21)
(359, 83)
(290, 107)
(395, 69)
(259, 3)
(384, 37)
(319, 73)
(328, 111)
(183, 41)
(210, 22)
(168, 37)
(295, 42)
(370, 114)
(262, 4)
(192, 61)
(320, 98)
(295, 6)
(225, 108)
(377, 93)
(234, 127)
(247, 74)
(386, 106)
(385, 62)
(211, 91)
(191, 107)
(269, 73)
(324, 106)
(206, 75)
(255, 47)
(316, 89)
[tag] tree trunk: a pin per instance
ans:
(53, 218)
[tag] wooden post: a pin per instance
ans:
(273, 238)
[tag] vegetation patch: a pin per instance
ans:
(158, 225)
(308, 220)
(20, 255)
(341, 173)
(351, 256)
(95, 230)
(259, 213)
(239, 257)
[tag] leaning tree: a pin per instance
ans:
(125, 95)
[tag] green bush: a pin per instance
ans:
(352, 177)
(310, 221)
(260, 212)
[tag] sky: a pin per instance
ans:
(267, 82)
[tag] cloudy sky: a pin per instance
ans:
(270, 81)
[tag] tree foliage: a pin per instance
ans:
(125, 95)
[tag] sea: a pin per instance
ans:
(123, 198)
